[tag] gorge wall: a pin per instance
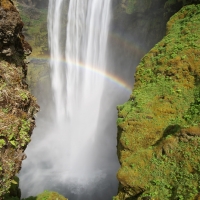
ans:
(158, 128)
(17, 105)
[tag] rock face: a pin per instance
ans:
(144, 21)
(159, 127)
(17, 105)
(137, 25)
(143, 6)
(12, 43)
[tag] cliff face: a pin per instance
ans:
(34, 3)
(143, 6)
(144, 21)
(159, 127)
(137, 25)
(17, 105)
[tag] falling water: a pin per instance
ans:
(77, 86)
(78, 94)
(69, 156)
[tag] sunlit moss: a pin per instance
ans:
(158, 128)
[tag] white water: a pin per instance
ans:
(70, 154)
(77, 85)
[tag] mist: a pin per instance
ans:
(73, 148)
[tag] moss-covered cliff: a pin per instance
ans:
(17, 105)
(137, 25)
(159, 127)
(46, 195)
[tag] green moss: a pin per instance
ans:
(46, 195)
(24, 95)
(172, 176)
(159, 127)
(14, 191)
(192, 115)
(16, 110)
(49, 195)
(2, 143)
(24, 132)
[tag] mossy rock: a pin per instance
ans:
(17, 108)
(49, 195)
(17, 105)
(14, 191)
(46, 195)
(159, 127)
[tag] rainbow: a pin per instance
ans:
(120, 41)
(126, 44)
(110, 77)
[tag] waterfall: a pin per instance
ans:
(69, 153)
(78, 82)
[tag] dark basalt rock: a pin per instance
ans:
(12, 43)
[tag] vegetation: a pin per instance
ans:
(46, 195)
(159, 127)
(49, 195)
(17, 108)
(17, 105)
